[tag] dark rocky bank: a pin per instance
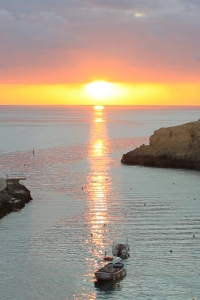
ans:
(13, 196)
(172, 147)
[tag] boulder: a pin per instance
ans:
(13, 197)
(173, 147)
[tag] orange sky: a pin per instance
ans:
(124, 94)
(150, 50)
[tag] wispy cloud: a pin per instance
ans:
(72, 35)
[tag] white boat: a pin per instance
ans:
(111, 271)
(121, 248)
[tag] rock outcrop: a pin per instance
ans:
(172, 147)
(13, 196)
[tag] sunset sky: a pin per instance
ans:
(148, 50)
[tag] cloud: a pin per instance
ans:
(5, 16)
(49, 18)
(27, 35)
(66, 34)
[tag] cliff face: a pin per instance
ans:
(174, 147)
(13, 196)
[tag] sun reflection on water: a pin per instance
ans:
(99, 181)
(98, 120)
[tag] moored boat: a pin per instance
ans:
(121, 248)
(108, 258)
(111, 271)
(113, 259)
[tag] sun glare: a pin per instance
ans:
(100, 90)
(98, 107)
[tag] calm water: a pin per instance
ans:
(79, 188)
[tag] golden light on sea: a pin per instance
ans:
(98, 179)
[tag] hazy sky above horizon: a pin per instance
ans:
(79, 41)
(125, 41)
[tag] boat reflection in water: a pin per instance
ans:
(107, 286)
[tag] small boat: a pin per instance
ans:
(121, 248)
(113, 259)
(108, 258)
(111, 271)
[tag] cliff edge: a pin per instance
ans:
(172, 147)
(13, 196)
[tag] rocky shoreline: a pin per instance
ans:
(172, 147)
(13, 196)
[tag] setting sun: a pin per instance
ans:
(98, 107)
(100, 89)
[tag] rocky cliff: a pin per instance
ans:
(173, 147)
(13, 196)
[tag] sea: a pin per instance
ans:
(84, 198)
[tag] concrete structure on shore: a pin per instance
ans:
(3, 184)
(13, 195)
(172, 147)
